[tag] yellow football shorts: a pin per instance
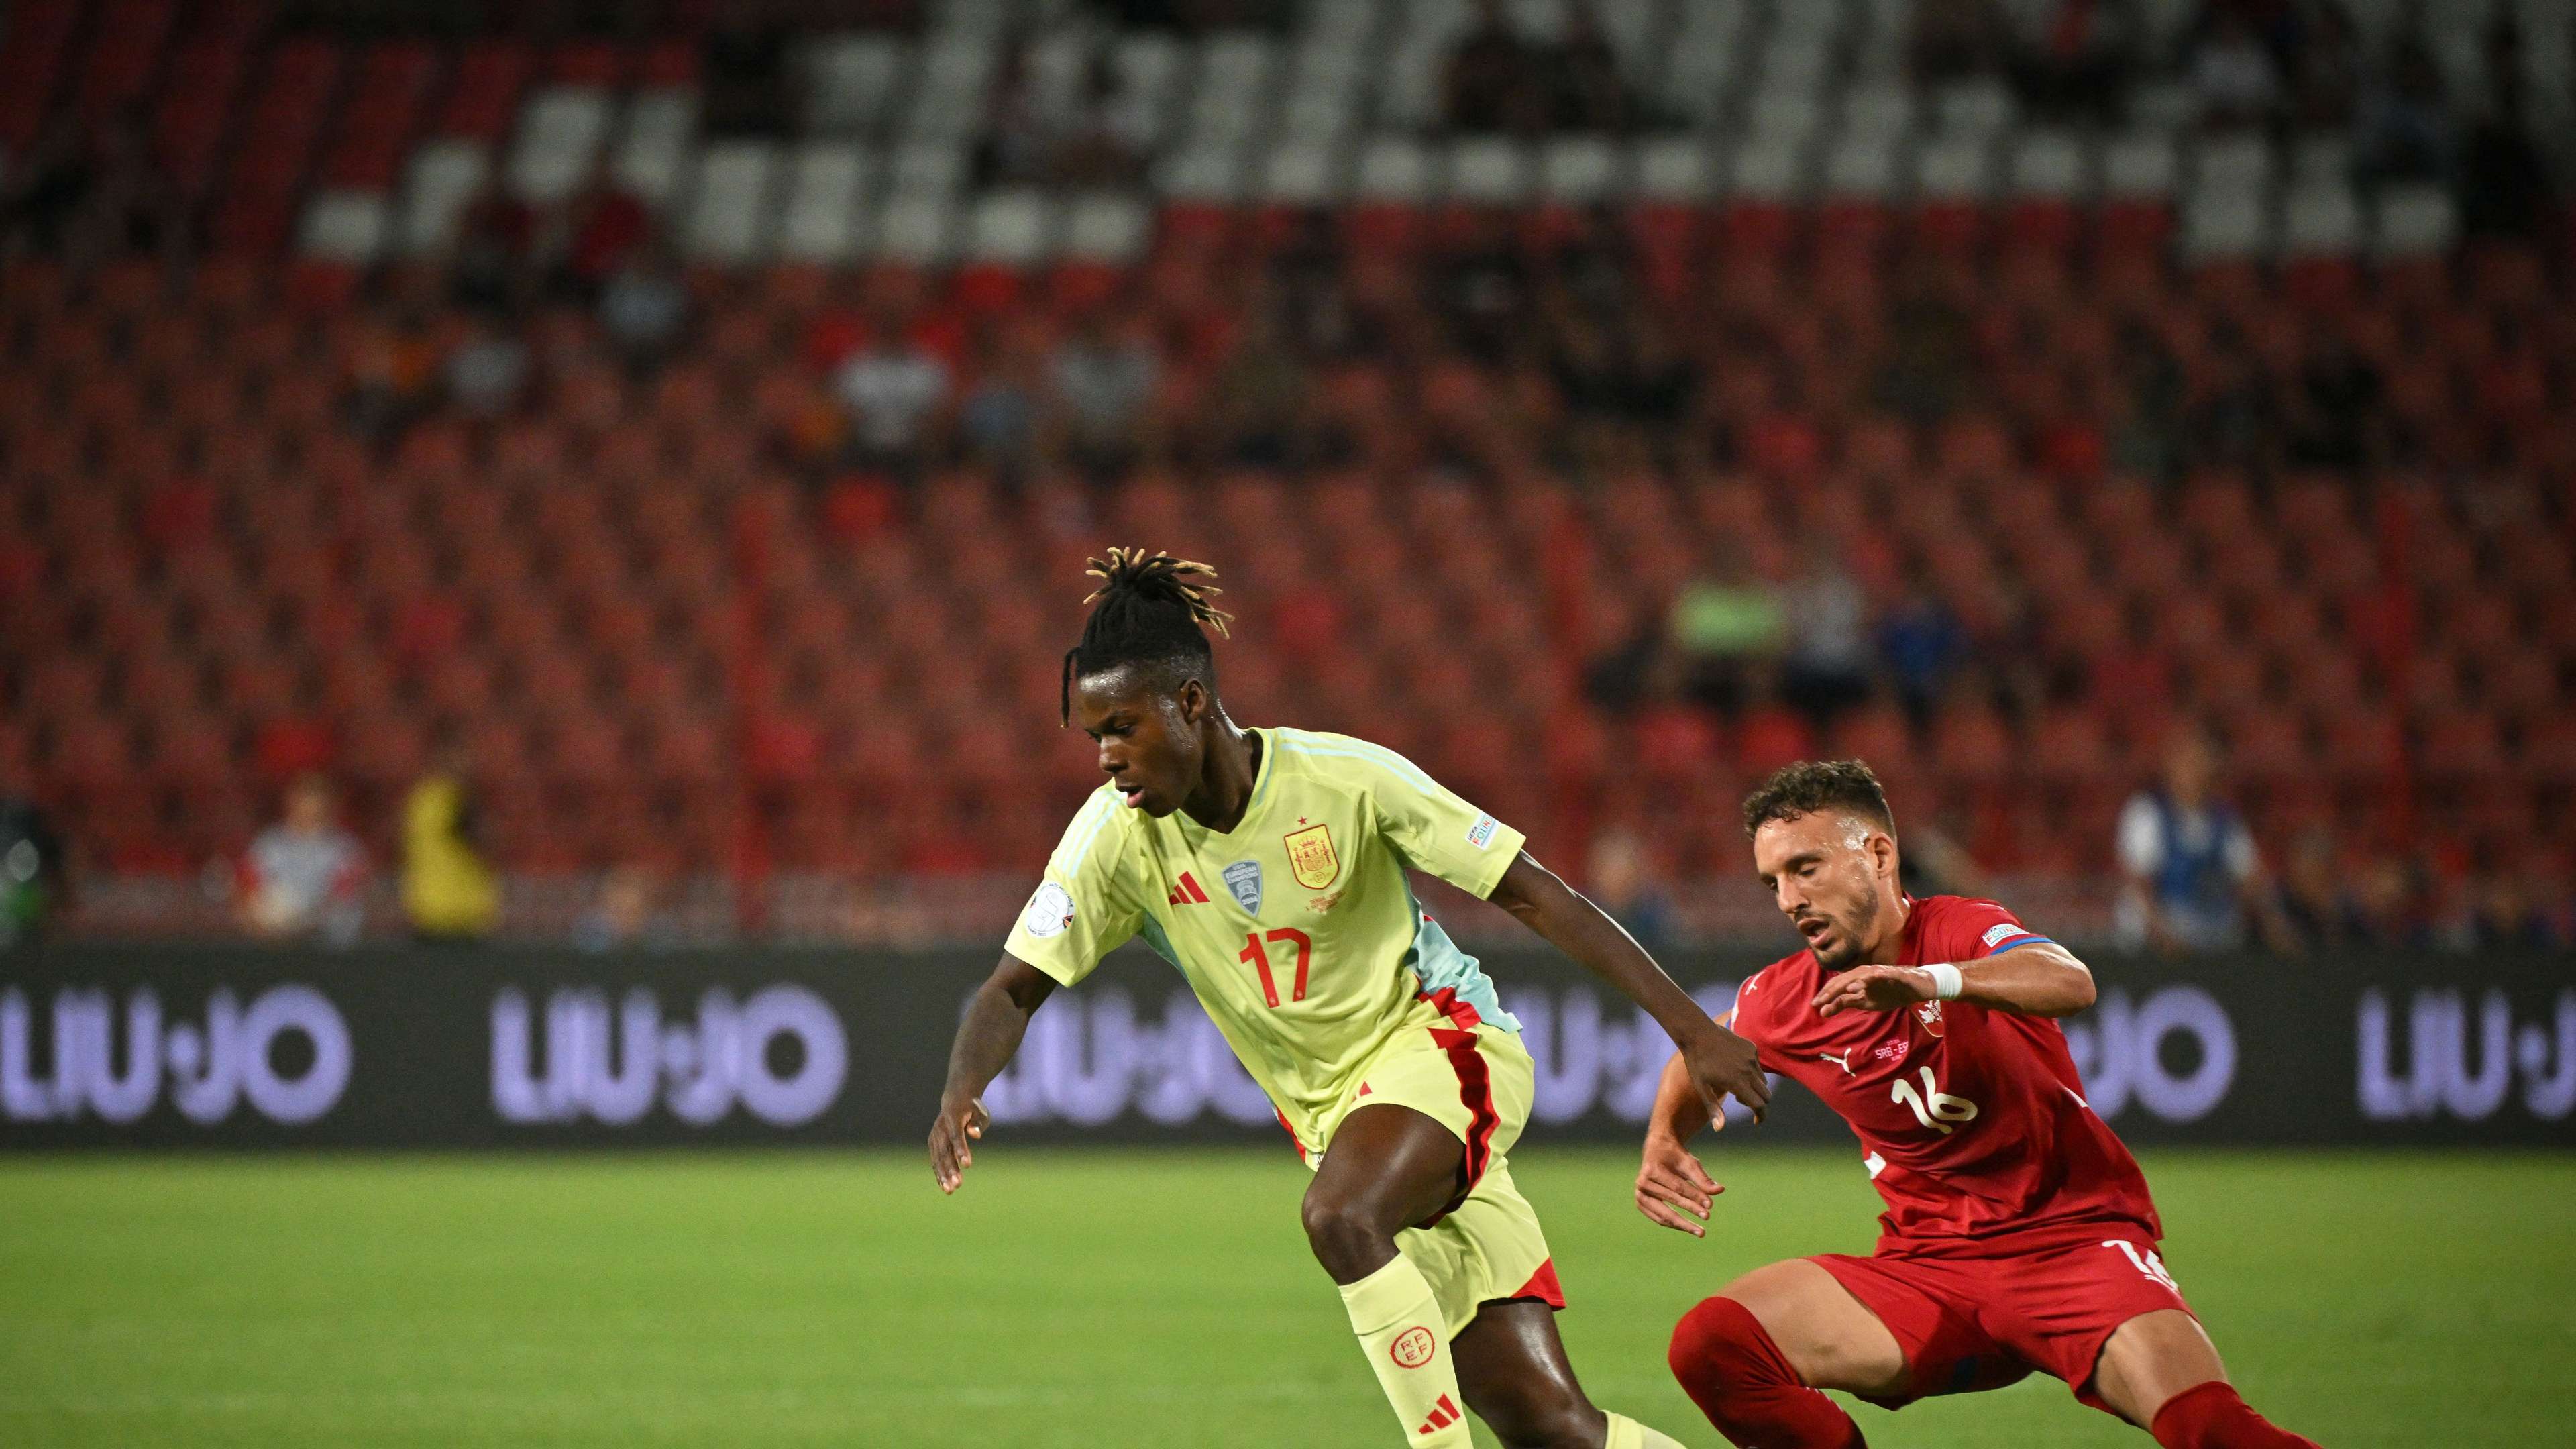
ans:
(1476, 1081)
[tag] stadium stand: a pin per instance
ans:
(2174, 422)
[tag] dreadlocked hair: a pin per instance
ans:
(1147, 610)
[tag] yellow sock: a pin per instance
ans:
(1627, 1433)
(1407, 1342)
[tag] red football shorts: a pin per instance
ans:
(1981, 1323)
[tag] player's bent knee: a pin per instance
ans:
(1715, 1343)
(1346, 1238)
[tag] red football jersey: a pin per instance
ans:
(1973, 1121)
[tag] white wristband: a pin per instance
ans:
(1945, 982)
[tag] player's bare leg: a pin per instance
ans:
(1754, 1356)
(1388, 1169)
(2161, 1372)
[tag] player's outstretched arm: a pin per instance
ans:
(2042, 978)
(1719, 1063)
(995, 1021)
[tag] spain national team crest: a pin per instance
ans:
(1311, 859)
(1244, 879)
(1929, 1013)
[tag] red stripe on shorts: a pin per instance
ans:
(1476, 1090)
(1291, 1131)
(1462, 1015)
(1543, 1286)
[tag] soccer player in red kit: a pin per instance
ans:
(2018, 1233)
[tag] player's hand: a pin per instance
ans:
(1671, 1183)
(1724, 1065)
(1875, 988)
(952, 1136)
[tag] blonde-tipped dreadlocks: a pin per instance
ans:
(1147, 610)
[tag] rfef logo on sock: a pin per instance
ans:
(1413, 1348)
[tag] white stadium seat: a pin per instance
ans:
(1015, 227)
(2320, 218)
(852, 81)
(1488, 170)
(2414, 221)
(2221, 222)
(2234, 163)
(1675, 168)
(445, 173)
(1863, 168)
(827, 189)
(656, 144)
(1393, 168)
(561, 130)
(2048, 163)
(2141, 166)
(1206, 173)
(1107, 228)
(345, 226)
(1955, 169)
(1579, 169)
(1770, 170)
(1302, 173)
(918, 227)
(729, 214)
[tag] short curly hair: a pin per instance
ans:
(1812, 785)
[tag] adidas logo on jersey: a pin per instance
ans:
(1187, 893)
(1443, 1414)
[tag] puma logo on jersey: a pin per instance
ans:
(1841, 1059)
(1187, 893)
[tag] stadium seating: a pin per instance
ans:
(655, 635)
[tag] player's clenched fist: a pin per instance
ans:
(1671, 1182)
(1875, 988)
(959, 1125)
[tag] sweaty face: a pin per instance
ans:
(1148, 738)
(1829, 874)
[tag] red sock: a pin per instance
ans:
(2211, 1416)
(1735, 1373)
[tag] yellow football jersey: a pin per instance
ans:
(1297, 928)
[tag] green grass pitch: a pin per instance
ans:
(1139, 1300)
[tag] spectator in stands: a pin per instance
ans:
(304, 876)
(607, 226)
(1957, 40)
(2504, 182)
(2192, 872)
(1012, 145)
(2405, 128)
(625, 914)
(35, 879)
(487, 374)
(496, 236)
(997, 422)
(743, 72)
(1729, 626)
(392, 367)
(2235, 420)
(1625, 882)
(1925, 647)
(896, 392)
(2326, 81)
(1495, 80)
(1826, 669)
(1102, 381)
(2147, 434)
(1256, 408)
(1105, 141)
(2334, 411)
(2317, 907)
(448, 893)
(1590, 95)
(2234, 78)
(643, 307)
(2505, 916)
(42, 192)
(2077, 62)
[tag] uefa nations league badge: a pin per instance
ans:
(1244, 879)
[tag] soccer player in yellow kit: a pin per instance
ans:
(1268, 866)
